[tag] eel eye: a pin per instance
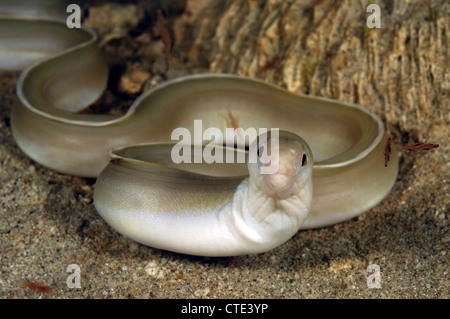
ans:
(260, 151)
(304, 159)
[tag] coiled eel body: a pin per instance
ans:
(331, 162)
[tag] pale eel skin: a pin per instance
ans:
(199, 209)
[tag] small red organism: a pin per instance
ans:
(268, 65)
(165, 34)
(419, 147)
(387, 152)
(37, 287)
